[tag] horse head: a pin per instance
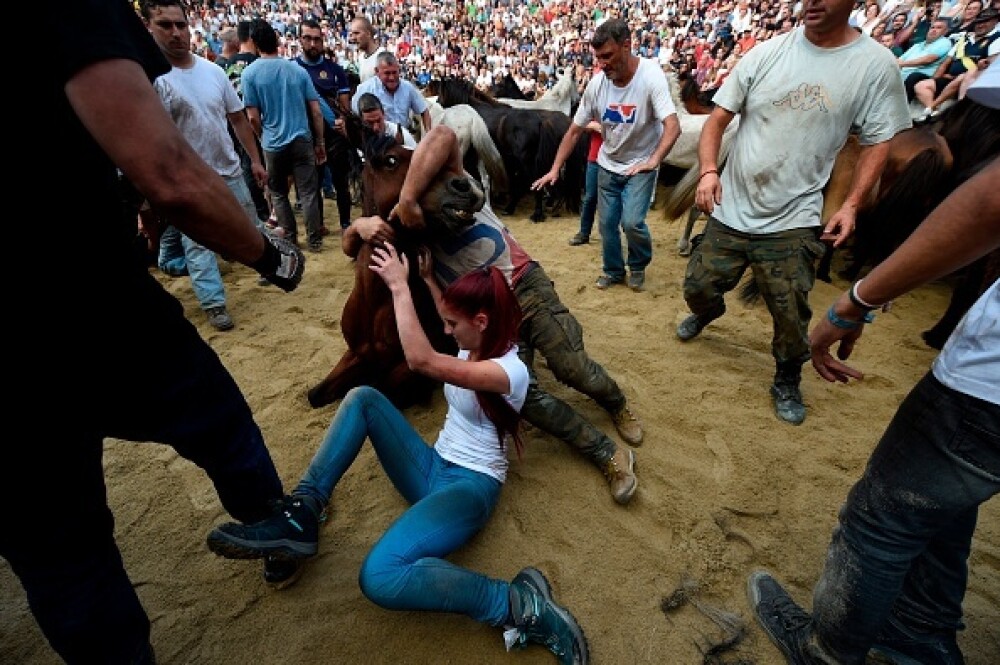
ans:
(449, 204)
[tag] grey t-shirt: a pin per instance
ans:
(797, 104)
(631, 117)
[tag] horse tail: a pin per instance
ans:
(574, 172)
(681, 198)
(571, 181)
(749, 293)
(488, 154)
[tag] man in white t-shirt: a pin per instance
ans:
(631, 100)
(799, 96)
(362, 34)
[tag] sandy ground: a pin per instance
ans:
(724, 487)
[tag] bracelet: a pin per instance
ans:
(706, 173)
(846, 324)
(856, 299)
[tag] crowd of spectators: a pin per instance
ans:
(533, 40)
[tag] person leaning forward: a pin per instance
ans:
(548, 327)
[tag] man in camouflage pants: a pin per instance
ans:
(799, 96)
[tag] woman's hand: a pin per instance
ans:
(393, 268)
(425, 263)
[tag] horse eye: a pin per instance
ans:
(391, 162)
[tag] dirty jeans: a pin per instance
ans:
(549, 328)
(180, 254)
(783, 266)
(449, 505)
(623, 202)
(896, 569)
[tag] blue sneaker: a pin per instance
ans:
(539, 619)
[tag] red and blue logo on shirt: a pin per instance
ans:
(620, 113)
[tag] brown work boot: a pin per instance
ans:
(620, 472)
(628, 426)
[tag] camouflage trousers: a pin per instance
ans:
(784, 268)
(550, 329)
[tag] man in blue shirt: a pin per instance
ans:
(330, 81)
(398, 96)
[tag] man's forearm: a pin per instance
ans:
(871, 162)
(711, 139)
(671, 130)
(434, 151)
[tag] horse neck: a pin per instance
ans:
(675, 94)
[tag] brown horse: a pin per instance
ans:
(374, 355)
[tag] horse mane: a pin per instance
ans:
(455, 90)
(972, 132)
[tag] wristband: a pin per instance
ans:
(715, 171)
(856, 299)
(846, 324)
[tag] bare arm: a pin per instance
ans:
(316, 122)
(437, 151)
(420, 355)
(709, 192)
(871, 161)
(253, 115)
(566, 147)
(116, 103)
(963, 228)
(244, 133)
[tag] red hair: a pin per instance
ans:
(485, 291)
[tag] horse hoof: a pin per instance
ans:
(932, 339)
(825, 277)
(684, 248)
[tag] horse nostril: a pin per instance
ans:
(461, 185)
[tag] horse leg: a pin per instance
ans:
(684, 244)
(823, 269)
(965, 292)
(539, 214)
(351, 371)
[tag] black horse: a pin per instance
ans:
(527, 140)
(507, 87)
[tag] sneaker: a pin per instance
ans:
(539, 619)
(694, 324)
(628, 426)
(622, 480)
(219, 318)
(605, 281)
(636, 280)
(787, 624)
(281, 573)
(788, 404)
(263, 281)
(291, 533)
(579, 239)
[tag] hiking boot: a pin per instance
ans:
(636, 280)
(281, 573)
(291, 533)
(788, 405)
(219, 318)
(694, 324)
(579, 239)
(605, 281)
(620, 472)
(788, 625)
(540, 620)
(628, 426)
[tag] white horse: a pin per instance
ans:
(472, 133)
(684, 155)
(560, 97)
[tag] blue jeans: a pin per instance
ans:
(623, 202)
(238, 186)
(297, 160)
(450, 504)
(180, 254)
(588, 207)
(896, 569)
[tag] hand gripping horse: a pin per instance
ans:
(374, 355)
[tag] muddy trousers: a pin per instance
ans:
(784, 269)
(550, 329)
